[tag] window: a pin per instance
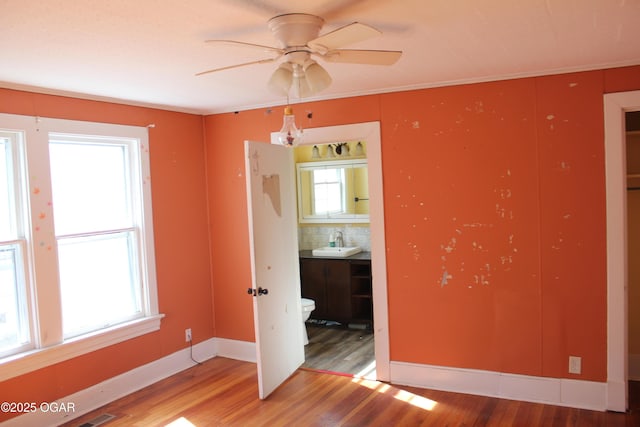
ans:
(334, 191)
(96, 231)
(328, 197)
(14, 323)
(76, 237)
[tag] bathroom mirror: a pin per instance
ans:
(333, 191)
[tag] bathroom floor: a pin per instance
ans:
(340, 350)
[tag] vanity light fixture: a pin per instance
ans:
(330, 153)
(289, 134)
(315, 152)
(359, 149)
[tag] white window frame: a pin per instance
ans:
(49, 345)
(19, 198)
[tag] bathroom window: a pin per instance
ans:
(78, 239)
(333, 191)
(328, 194)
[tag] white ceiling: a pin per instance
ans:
(147, 52)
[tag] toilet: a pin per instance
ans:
(308, 305)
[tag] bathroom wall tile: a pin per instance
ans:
(315, 237)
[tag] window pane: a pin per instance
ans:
(14, 326)
(326, 175)
(328, 191)
(7, 224)
(98, 282)
(90, 187)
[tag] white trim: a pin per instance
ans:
(553, 391)
(22, 363)
(107, 391)
(369, 132)
(615, 106)
(238, 350)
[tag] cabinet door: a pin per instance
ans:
(313, 280)
(338, 290)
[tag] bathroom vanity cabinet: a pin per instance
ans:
(340, 287)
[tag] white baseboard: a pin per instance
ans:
(116, 387)
(238, 350)
(553, 391)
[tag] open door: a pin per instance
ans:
(274, 262)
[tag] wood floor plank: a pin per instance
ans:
(224, 392)
(339, 349)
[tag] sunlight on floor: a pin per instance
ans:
(397, 393)
(369, 372)
(181, 422)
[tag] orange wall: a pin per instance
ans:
(499, 185)
(181, 242)
(495, 219)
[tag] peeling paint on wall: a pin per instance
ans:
(445, 278)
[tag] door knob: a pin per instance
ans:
(261, 291)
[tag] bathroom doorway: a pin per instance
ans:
(333, 208)
(632, 155)
(616, 107)
(633, 238)
(350, 340)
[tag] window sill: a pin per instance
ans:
(22, 363)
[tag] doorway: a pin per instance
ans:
(369, 132)
(333, 200)
(616, 106)
(632, 151)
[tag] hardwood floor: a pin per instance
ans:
(340, 350)
(224, 392)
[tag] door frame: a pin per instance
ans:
(369, 132)
(615, 107)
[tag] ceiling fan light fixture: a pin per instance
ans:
(281, 79)
(289, 134)
(300, 86)
(317, 77)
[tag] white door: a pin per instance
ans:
(274, 262)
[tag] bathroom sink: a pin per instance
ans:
(336, 251)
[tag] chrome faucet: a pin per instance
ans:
(339, 239)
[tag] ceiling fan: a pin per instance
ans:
(299, 40)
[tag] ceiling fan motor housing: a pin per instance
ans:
(295, 29)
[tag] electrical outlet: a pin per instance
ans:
(187, 335)
(575, 365)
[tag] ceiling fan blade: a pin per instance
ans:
(371, 57)
(243, 44)
(260, 61)
(343, 36)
